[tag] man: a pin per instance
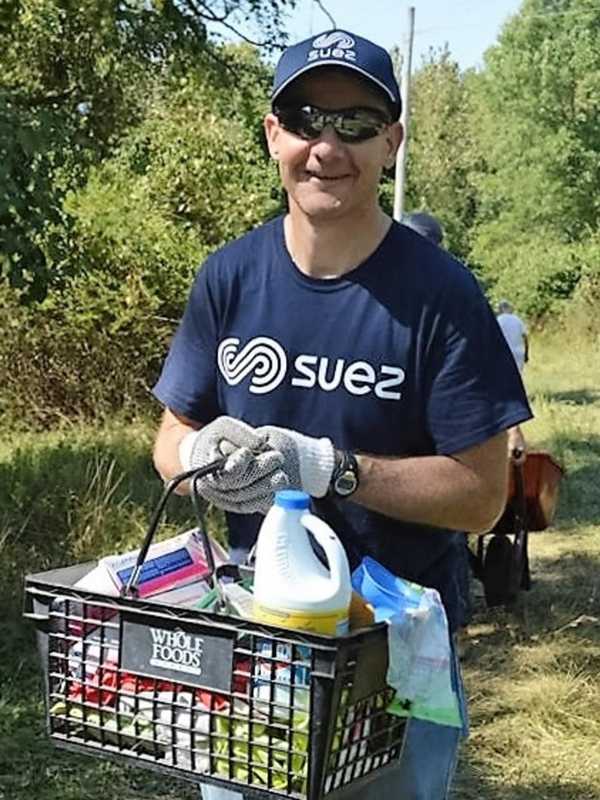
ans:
(336, 351)
(430, 228)
(515, 333)
(426, 225)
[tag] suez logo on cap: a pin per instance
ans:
(265, 361)
(333, 45)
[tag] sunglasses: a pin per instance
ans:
(350, 124)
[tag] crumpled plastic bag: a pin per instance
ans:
(420, 656)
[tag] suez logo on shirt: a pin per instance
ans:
(333, 45)
(265, 362)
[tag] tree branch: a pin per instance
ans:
(204, 12)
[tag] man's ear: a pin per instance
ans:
(272, 131)
(394, 137)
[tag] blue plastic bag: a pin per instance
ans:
(420, 655)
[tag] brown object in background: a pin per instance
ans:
(541, 480)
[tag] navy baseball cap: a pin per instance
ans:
(337, 48)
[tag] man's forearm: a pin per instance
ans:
(463, 491)
(166, 447)
(433, 490)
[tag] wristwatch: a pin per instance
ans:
(345, 478)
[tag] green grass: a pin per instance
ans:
(67, 497)
(532, 674)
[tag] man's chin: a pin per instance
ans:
(322, 207)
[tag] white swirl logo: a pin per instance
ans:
(337, 39)
(262, 357)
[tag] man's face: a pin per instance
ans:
(325, 177)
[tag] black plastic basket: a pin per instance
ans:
(212, 698)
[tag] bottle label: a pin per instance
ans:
(333, 622)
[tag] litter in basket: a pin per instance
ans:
(209, 697)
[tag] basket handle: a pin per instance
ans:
(130, 589)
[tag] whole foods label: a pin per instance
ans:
(178, 652)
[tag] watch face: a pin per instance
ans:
(346, 483)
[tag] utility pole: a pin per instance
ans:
(400, 175)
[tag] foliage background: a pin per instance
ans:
(131, 146)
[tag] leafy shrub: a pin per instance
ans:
(87, 354)
(190, 177)
(537, 272)
(581, 313)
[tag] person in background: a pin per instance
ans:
(517, 445)
(426, 225)
(335, 351)
(515, 333)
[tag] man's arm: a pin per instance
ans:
(526, 346)
(517, 446)
(465, 491)
(173, 428)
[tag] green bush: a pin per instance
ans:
(537, 271)
(188, 179)
(86, 354)
(581, 313)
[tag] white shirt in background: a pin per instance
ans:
(514, 331)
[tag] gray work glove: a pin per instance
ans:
(261, 462)
(252, 471)
(308, 462)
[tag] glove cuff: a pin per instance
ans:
(317, 460)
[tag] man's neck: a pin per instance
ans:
(331, 248)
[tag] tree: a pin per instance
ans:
(441, 156)
(537, 110)
(75, 77)
(189, 177)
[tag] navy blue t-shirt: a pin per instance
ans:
(402, 356)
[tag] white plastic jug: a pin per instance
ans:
(292, 588)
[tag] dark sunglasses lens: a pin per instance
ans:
(357, 128)
(351, 125)
(301, 122)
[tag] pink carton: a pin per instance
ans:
(168, 565)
